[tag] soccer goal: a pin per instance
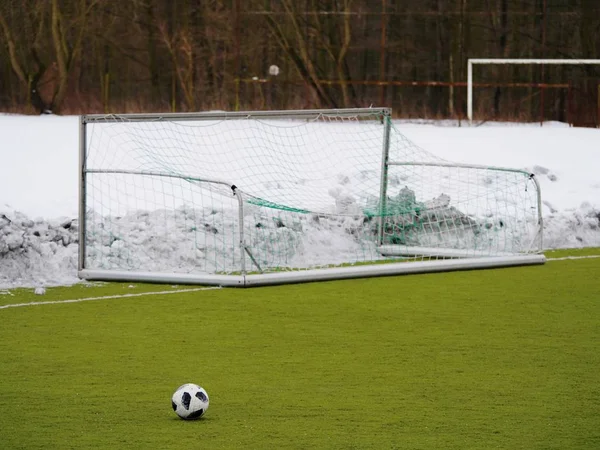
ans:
(257, 198)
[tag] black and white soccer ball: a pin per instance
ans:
(190, 401)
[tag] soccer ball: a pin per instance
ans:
(274, 70)
(190, 401)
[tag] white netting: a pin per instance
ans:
(159, 196)
(477, 211)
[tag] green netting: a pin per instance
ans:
(268, 204)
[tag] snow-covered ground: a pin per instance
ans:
(39, 184)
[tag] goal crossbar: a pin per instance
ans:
(305, 114)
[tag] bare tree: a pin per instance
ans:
(294, 42)
(67, 48)
(42, 57)
(24, 30)
(92, 55)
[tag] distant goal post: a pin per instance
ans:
(524, 61)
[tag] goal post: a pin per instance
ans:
(272, 197)
(531, 61)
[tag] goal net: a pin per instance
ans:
(272, 197)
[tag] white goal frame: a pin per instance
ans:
(449, 260)
(473, 61)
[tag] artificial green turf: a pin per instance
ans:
(574, 252)
(82, 290)
(504, 358)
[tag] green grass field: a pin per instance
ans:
(505, 358)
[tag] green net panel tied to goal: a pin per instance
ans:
(225, 198)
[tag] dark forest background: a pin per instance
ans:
(114, 56)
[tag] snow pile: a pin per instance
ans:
(37, 252)
(572, 229)
(38, 199)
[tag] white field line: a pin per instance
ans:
(564, 258)
(108, 297)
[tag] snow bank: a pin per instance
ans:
(38, 185)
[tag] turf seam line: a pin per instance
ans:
(108, 297)
(565, 258)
